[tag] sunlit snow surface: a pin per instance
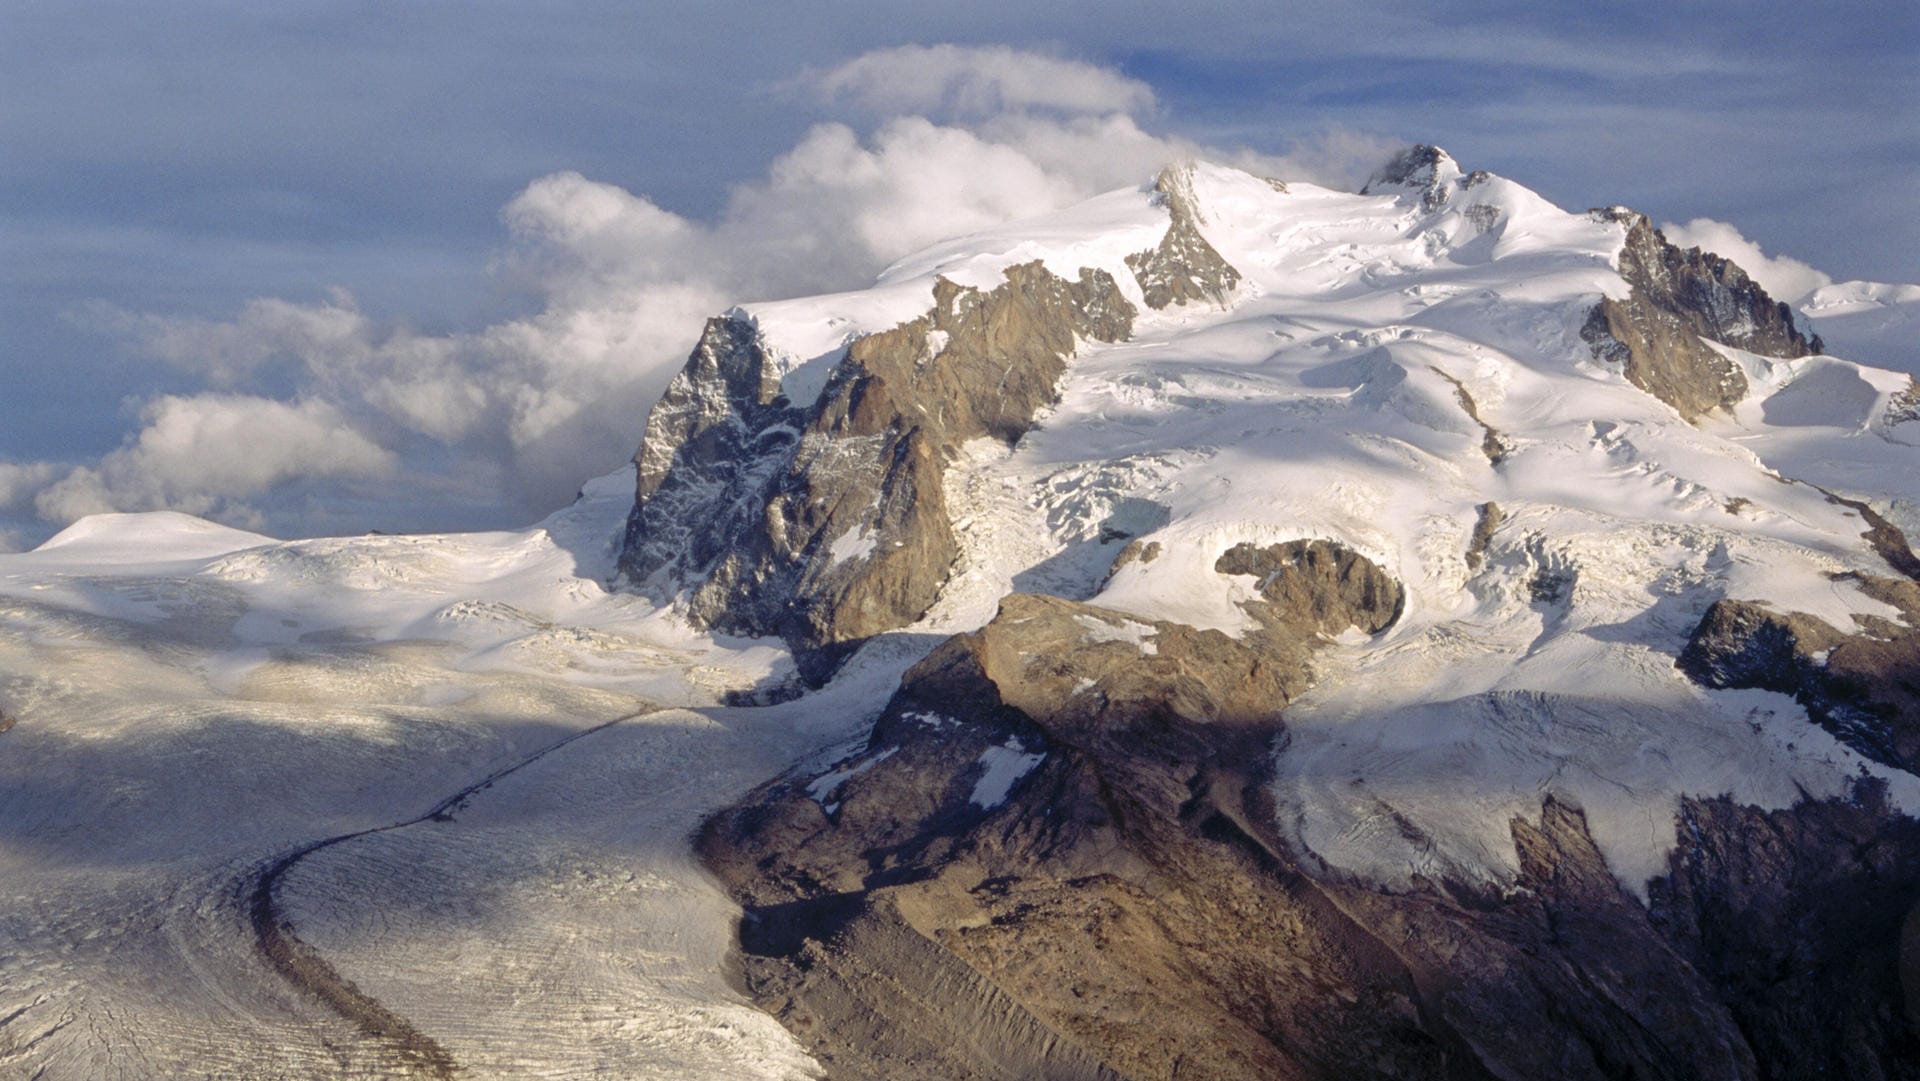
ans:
(1324, 401)
(193, 701)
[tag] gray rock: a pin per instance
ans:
(825, 523)
(1678, 298)
(1795, 917)
(1184, 268)
(1862, 685)
(1421, 169)
(1130, 908)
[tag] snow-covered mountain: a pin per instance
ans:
(1228, 628)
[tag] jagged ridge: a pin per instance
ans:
(1678, 298)
(825, 523)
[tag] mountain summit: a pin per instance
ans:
(1425, 170)
(1424, 632)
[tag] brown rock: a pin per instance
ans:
(1116, 901)
(826, 523)
(1492, 444)
(1316, 587)
(1677, 299)
(1864, 687)
(1489, 519)
(1184, 268)
(1795, 916)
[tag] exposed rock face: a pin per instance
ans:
(1484, 524)
(1492, 443)
(1056, 858)
(1315, 587)
(1678, 298)
(825, 522)
(1032, 807)
(1796, 918)
(1885, 538)
(1863, 685)
(1184, 269)
(1425, 169)
(1058, 854)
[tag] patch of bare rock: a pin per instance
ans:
(1680, 299)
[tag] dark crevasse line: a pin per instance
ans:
(303, 966)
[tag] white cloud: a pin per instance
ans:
(1784, 278)
(580, 235)
(208, 453)
(977, 81)
(19, 481)
(836, 209)
(229, 351)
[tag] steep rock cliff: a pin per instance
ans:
(825, 523)
(1059, 834)
(1679, 300)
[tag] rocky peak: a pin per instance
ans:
(1184, 268)
(1108, 836)
(826, 523)
(1679, 301)
(1421, 168)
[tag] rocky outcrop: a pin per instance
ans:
(1314, 588)
(825, 522)
(1492, 444)
(1055, 805)
(1485, 522)
(1795, 918)
(1678, 298)
(1184, 268)
(1885, 538)
(1056, 857)
(1863, 685)
(1427, 171)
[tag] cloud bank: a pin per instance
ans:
(205, 454)
(952, 80)
(316, 417)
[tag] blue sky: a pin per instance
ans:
(164, 167)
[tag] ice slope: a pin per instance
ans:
(1379, 354)
(180, 703)
(1872, 322)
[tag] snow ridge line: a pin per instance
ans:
(302, 966)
